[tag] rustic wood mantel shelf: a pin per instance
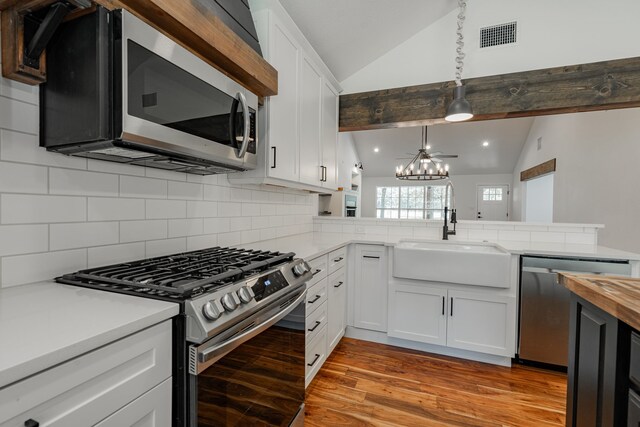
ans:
(191, 23)
(576, 88)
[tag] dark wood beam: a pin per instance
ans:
(538, 170)
(586, 87)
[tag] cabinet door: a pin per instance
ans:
(481, 322)
(310, 115)
(370, 288)
(330, 136)
(282, 121)
(152, 409)
(633, 415)
(337, 304)
(418, 313)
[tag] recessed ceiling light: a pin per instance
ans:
(428, 147)
(485, 144)
(375, 150)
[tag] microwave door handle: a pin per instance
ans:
(247, 126)
(209, 356)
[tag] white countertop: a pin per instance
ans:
(311, 245)
(44, 324)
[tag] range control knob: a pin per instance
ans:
(229, 302)
(245, 294)
(212, 310)
(299, 269)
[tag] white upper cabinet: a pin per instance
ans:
(298, 128)
(282, 120)
(310, 117)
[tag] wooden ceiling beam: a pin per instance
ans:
(586, 87)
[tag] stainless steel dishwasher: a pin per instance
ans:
(544, 304)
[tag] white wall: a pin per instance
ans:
(59, 214)
(597, 174)
(538, 199)
(551, 33)
(465, 190)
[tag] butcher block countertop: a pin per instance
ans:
(618, 296)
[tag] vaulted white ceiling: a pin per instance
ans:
(350, 34)
(506, 139)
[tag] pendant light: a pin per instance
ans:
(459, 110)
(422, 167)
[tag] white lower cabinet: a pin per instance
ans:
(418, 313)
(326, 315)
(336, 308)
(476, 321)
(152, 409)
(481, 322)
(370, 288)
(88, 389)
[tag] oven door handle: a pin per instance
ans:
(208, 356)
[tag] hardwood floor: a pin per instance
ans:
(369, 384)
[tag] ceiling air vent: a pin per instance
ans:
(498, 35)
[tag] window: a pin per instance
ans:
(410, 202)
(492, 194)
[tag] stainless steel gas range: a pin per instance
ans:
(239, 342)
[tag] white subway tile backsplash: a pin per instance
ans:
(114, 209)
(22, 269)
(200, 209)
(239, 223)
(83, 234)
(114, 254)
(18, 116)
(22, 147)
(216, 225)
(249, 236)
(240, 195)
(216, 193)
(203, 241)
(158, 209)
(488, 235)
(230, 239)
(267, 233)
(547, 237)
(156, 248)
(520, 236)
(580, 238)
(136, 231)
(185, 190)
(23, 239)
(259, 222)
(145, 188)
(185, 227)
(165, 174)
(267, 210)
(250, 209)
(19, 91)
(24, 209)
(20, 178)
(229, 209)
(81, 183)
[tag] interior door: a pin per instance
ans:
(493, 203)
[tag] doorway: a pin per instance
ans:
(493, 203)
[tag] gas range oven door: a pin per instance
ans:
(253, 374)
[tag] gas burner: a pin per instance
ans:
(180, 276)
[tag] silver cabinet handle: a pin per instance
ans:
(247, 126)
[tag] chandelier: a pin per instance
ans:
(423, 166)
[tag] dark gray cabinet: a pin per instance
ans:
(598, 372)
(633, 414)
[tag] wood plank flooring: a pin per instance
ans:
(369, 384)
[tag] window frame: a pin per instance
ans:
(402, 209)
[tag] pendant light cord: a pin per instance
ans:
(462, 4)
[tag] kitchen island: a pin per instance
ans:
(604, 351)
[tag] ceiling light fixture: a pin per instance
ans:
(459, 109)
(376, 149)
(423, 167)
(485, 144)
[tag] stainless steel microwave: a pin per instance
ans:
(119, 90)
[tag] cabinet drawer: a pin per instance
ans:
(152, 409)
(87, 389)
(318, 269)
(337, 279)
(315, 355)
(634, 368)
(337, 259)
(316, 296)
(315, 322)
